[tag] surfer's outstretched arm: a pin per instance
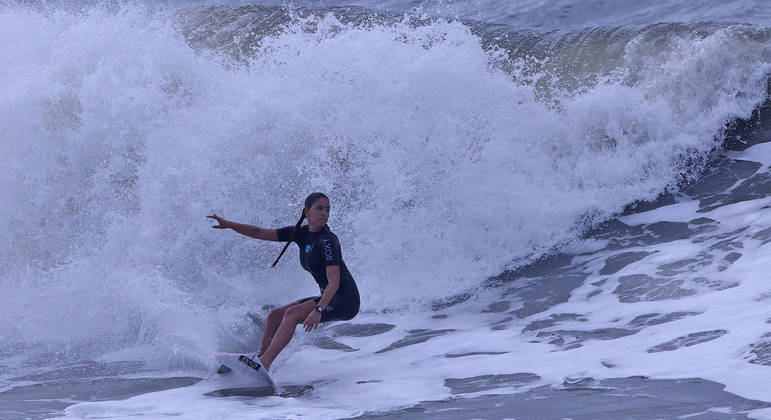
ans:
(244, 229)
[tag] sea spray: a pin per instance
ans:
(444, 161)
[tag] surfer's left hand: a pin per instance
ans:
(312, 321)
(223, 224)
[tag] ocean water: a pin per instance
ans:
(552, 210)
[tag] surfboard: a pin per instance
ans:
(243, 374)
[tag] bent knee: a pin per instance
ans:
(276, 314)
(296, 315)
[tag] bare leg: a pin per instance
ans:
(271, 325)
(292, 317)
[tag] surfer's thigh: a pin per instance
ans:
(281, 310)
(298, 313)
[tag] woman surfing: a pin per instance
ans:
(321, 256)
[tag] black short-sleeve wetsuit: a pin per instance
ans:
(319, 250)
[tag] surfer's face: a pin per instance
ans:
(318, 214)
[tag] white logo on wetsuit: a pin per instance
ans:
(327, 249)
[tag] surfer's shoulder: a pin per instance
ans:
(327, 233)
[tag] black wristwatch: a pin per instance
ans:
(319, 309)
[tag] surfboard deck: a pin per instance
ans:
(244, 375)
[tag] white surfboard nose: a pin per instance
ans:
(245, 368)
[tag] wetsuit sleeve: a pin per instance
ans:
(284, 233)
(331, 251)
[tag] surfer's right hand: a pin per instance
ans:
(223, 224)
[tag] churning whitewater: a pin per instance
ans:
(463, 155)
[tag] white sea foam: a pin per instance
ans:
(405, 376)
(443, 170)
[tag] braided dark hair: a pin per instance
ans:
(308, 203)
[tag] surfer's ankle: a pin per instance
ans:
(265, 366)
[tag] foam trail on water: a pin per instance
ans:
(443, 168)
